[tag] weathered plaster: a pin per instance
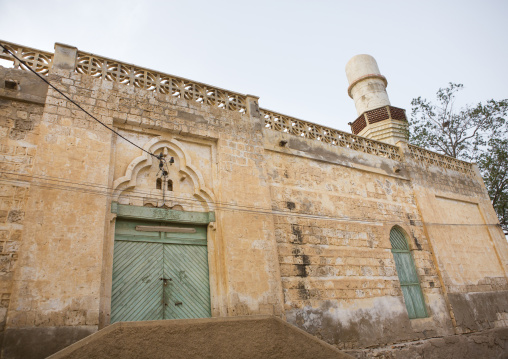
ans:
(300, 229)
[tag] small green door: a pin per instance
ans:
(408, 278)
(160, 271)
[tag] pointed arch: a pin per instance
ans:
(408, 277)
(130, 178)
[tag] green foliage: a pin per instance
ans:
(472, 133)
(493, 166)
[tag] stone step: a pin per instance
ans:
(232, 337)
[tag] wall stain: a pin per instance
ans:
(290, 205)
(297, 231)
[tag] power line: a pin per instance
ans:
(147, 194)
(76, 104)
(133, 193)
(160, 158)
(106, 191)
(142, 193)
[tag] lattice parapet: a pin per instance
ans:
(113, 70)
(39, 61)
(294, 126)
(435, 159)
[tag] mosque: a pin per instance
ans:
(131, 195)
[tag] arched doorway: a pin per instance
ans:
(406, 271)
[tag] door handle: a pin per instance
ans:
(166, 280)
(178, 303)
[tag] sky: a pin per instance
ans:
(292, 54)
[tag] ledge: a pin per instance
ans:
(161, 214)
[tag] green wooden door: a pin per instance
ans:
(408, 278)
(187, 293)
(160, 271)
(137, 290)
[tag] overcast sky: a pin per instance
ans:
(291, 54)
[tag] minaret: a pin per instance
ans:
(377, 119)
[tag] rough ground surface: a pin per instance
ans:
(485, 345)
(239, 337)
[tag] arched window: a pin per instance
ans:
(170, 185)
(158, 184)
(406, 270)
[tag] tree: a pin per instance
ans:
(494, 169)
(472, 133)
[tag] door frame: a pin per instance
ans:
(159, 215)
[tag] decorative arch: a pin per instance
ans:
(130, 179)
(398, 238)
(408, 277)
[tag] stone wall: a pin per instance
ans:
(337, 208)
(21, 105)
(62, 285)
(488, 344)
(469, 247)
(223, 151)
(57, 277)
(301, 230)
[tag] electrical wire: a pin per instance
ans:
(161, 159)
(142, 193)
(76, 104)
(106, 191)
(133, 193)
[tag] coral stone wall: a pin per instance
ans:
(62, 283)
(218, 167)
(301, 213)
(469, 246)
(21, 105)
(56, 282)
(336, 209)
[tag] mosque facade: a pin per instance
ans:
(183, 200)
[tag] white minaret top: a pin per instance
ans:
(367, 87)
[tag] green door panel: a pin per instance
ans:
(137, 290)
(416, 295)
(405, 268)
(398, 240)
(159, 275)
(408, 278)
(126, 231)
(187, 294)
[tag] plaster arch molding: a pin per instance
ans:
(201, 195)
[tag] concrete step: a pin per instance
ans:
(232, 337)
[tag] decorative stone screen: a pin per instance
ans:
(435, 159)
(39, 61)
(116, 71)
(294, 126)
